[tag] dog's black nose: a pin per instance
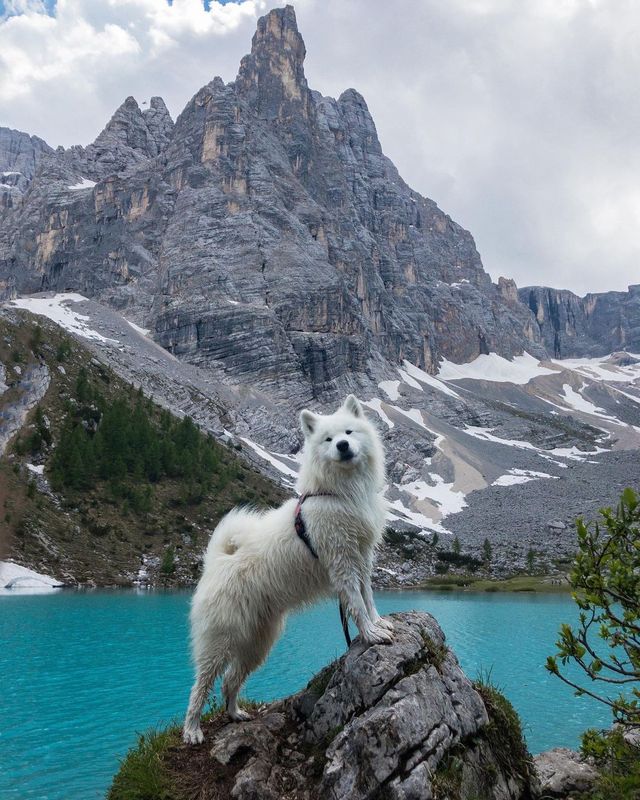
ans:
(343, 446)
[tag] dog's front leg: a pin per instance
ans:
(367, 596)
(348, 587)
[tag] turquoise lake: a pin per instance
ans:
(82, 672)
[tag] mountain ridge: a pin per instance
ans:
(292, 189)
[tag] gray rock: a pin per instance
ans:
(595, 324)
(396, 721)
(563, 773)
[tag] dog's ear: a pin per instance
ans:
(308, 422)
(352, 405)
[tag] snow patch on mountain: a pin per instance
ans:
(15, 578)
(409, 381)
(283, 468)
(375, 404)
(85, 183)
(423, 377)
(57, 308)
(515, 476)
(580, 403)
(420, 521)
(496, 369)
(486, 434)
(445, 497)
(390, 388)
(602, 369)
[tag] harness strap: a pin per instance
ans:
(301, 530)
(344, 619)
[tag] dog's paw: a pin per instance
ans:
(192, 736)
(381, 622)
(376, 635)
(240, 716)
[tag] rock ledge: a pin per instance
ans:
(386, 721)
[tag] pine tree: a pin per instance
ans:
(487, 551)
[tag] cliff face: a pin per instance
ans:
(592, 325)
(265, 231)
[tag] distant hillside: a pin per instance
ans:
(99, 485)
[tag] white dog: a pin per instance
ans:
(259, 565)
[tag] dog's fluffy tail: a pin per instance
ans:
(230, 533)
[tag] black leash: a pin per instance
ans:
(301, 530)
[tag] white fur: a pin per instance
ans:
(256, 567)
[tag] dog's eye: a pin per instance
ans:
(328, 439)
(348, 432)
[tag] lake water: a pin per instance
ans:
(80, 673)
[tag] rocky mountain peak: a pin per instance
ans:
(272, 75)
(159, 122)
(126, 128)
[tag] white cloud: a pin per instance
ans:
(519, 117)
(63, 75)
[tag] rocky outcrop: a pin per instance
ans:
(593, 325)
(19, 158)
(563, 773)
(386, 721)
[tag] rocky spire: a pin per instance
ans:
(129, 138)
(158, 122)
(126, 127)
(272, 77)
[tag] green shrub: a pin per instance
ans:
(64, 350)
(605, 579)
(168, 566)
(606, 588)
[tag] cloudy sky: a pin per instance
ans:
(521, 118)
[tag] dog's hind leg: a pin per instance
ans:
(246, 659)
(234, 677)
(205, 676)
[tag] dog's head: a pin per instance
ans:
(342, 444)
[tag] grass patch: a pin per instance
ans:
(432, 655)
(541, 584)
(143, 774)
(447, 778)
(318, 684)
(504, 731)
(161, 767)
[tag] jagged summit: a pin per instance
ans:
(265, 234)
(271, 77)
